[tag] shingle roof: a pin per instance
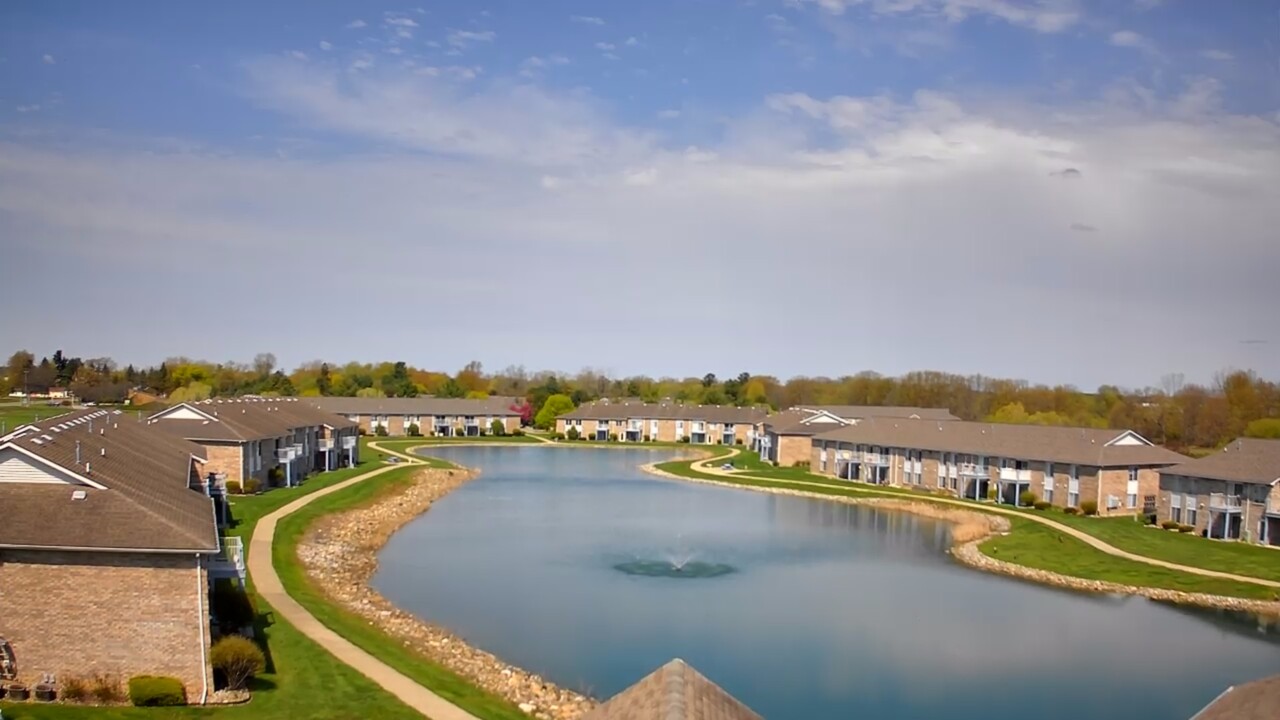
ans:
(1245, 460)
(665, 411)
(145, 502)
(243, 419)
(797, 421)
(851, 412)
(491, 406)
(674, 691)
(1257, 700)
(1081, 446)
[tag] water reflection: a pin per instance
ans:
(838, 610)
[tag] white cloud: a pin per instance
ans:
(631, 41)
(297, 55)
(326, 45)
(362, 61)
(48, 59)
(463, 38)
(609, 56)
(1046, 16)
(586, 19)
(394, 50)
(535, 64)
(27, 108)
(641, 177)
(1131, 39)
(604, 46)
(1219, 55)
(668, 114)
(401, 22)
(356, 24)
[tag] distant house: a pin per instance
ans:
(785, 438)
(1233, 494)
(142, 396)
(108, 541)
(628, 421)
(1117, 469)
(433, 416)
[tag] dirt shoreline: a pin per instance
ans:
(969, 533)
(339, 553)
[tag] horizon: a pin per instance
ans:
(1063, 192)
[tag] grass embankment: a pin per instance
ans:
(442, 681)
(304, 681)
(1033, 544)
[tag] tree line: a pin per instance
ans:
(1178, 414)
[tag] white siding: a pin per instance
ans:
(183, 413)
(18, 468)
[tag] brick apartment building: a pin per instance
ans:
(1117, 469)
(663, 422)
(438, 417)
(786, 438)
(1233, 494)
(107, 541)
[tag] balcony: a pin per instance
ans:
(1013, 475)
(229, 562)
(875, 459)
(972, 470)
(1273, 506)
(324, 444)
(1224, 502)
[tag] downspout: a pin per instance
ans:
(204, 651)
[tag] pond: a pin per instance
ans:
(570, 564)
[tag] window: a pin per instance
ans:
(1048, 482)
(1190, 502)
(1131, 500)
(1073, 489)
(822, 460)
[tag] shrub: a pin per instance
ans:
(573, 433)
(275, 475)
(380, 431)
(1042, 504)
(685, 439)
(737, 441)
(991, 493)
(105, 690)
(497, 428)
(1089, 507)
(648, 439)
(238, 658)
(234, 487)
(1071, 510)
(74, 690)
(1186, 528)
(413, 430)
(156, 691)
(557, 436)
(613, 437)
(517, 432)
(1028, 498)
(1170, 524)
(483, 432)
(252, 486)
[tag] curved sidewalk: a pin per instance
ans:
(268, 585)
(704, 466)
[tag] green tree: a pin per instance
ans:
(554, 407)
(370, 392)
(190, 393)
(1268, 428)
(324, 383)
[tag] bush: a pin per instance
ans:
(1042, 504)
(74, 690)
(737, 441)
(1186, 528)
(613, 437)
(234, 487)
(1170, 524)
(648, 438)
(380, 431)
(497, 428)
(238, 659)
(1089, 507)
(518, 432)
(573, 433)
(1071, 510)
(557, 436)
(1028, 498)
(413, 430)
(275, 475)
(252, 486)
(156, 691)
(105, 690)
(685, 439)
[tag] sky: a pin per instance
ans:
(1063, 191)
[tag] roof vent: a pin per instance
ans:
(102, 452)
(79, 495)
(88, 468)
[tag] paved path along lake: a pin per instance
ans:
(831, 611)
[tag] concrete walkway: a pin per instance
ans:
(711, 466)
(268, 585)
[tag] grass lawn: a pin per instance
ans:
(1031, 543)
(356, 629)
(13, 415)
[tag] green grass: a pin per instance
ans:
(356, 629)
(13, 415)
(1042, 547)
(1031, 544)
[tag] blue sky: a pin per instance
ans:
(1055, 190)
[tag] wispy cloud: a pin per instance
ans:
(27, 108)
(297, 55)
(1131, 39)
(401, 22)
(604, 46)
(1219, 55)
(586, 19)
(631, 41)
(356, 24)
(48, 59)
(668, 114)
(1046, 16)
(326, 45)
(533, 65)
(463, 38)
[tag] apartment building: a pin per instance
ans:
(276, 441)
(100, 513)
(786, 438)
(662, 422)
(433, 416)
(1232, 494)
(1117, 469)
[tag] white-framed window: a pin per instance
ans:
(1175, 508)
(1190, 509)
(1048, 482)
(1073, 489)
(822, 459)
(1131, 492)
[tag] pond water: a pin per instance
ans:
(563, 562)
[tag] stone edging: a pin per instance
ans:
(965, 550)
(339, 553)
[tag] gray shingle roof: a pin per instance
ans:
(666, 411)
(1081, 446)
(674, 691)
(147, 503)
(1257, 700)
(491, 406)
(851, 412)
(1245, 460)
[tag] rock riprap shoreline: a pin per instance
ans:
(339, 553)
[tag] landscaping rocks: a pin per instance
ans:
(339, 552)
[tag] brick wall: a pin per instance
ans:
(225, 459)
(119, 614)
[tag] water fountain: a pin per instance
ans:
(678, 563)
